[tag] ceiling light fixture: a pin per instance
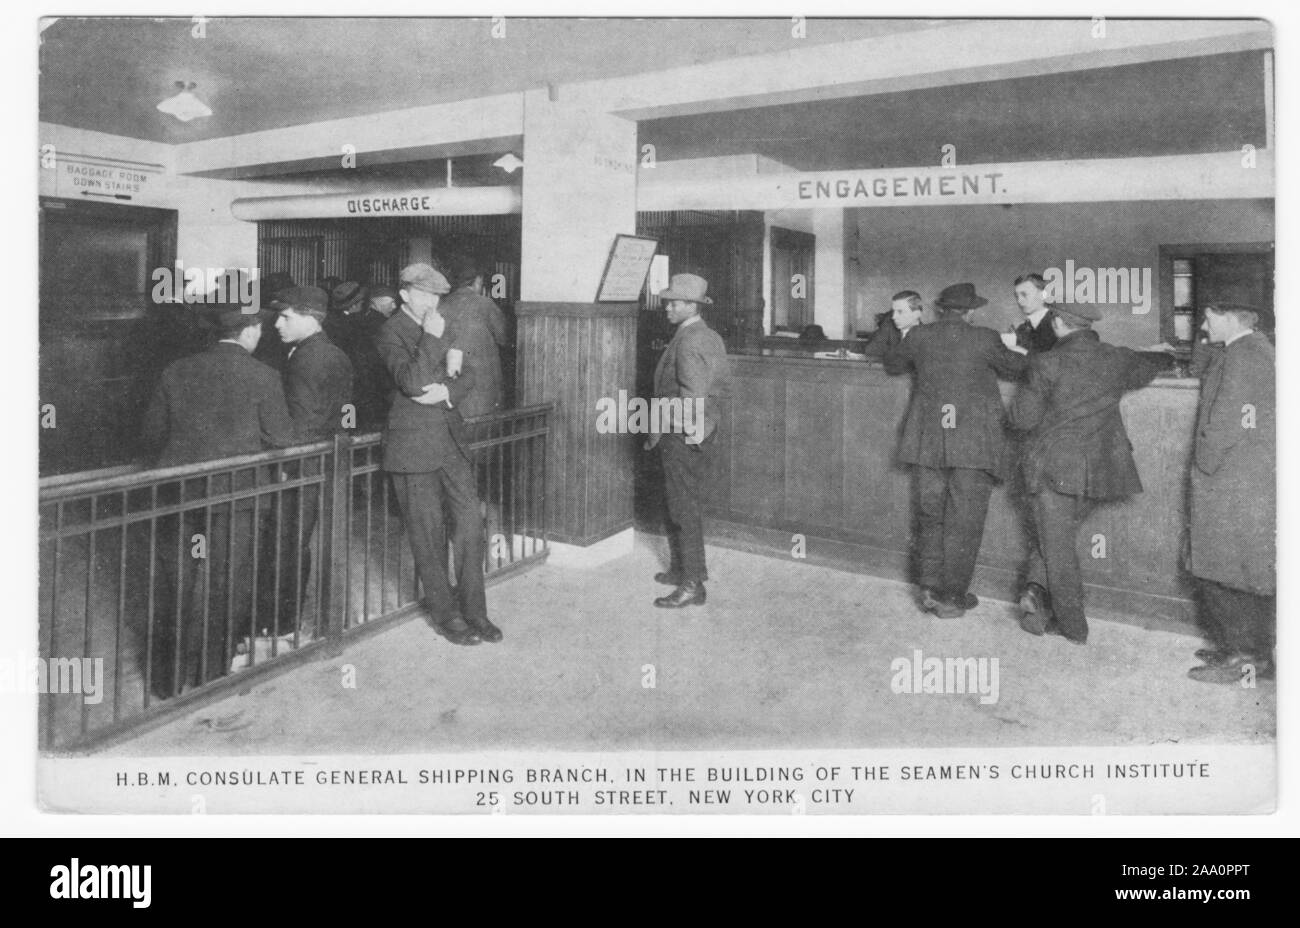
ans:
(184, 105)
(508, 163)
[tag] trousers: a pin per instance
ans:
(1238, 621)
(951, 505)
(422, 498)
(686, 469)
(206, 597)
(1054, 555)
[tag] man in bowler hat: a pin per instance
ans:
(690, 370)
(1075, 456)
(954, 436)
(426, 454)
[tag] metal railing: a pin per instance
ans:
(162, 588)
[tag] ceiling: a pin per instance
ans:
(107, 74)
(1180, 106)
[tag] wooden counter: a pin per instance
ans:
(810, 447)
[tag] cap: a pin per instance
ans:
(308, 300)
(423, 277)
(1077, 313)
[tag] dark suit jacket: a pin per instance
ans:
(476, 326)
(1037, 338)
(217, 404)
(1234, 468)
(1077, 444)
(317, 383)
(885, 339)
(693, 367)
(417, 438)
(955, 417)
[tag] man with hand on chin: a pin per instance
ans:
(426, 453)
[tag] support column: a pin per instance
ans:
(579, 191)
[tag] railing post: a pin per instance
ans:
(335, 543)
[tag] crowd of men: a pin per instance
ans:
(1063, 441)
(415, 361)
(420, 360)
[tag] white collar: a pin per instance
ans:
(685, 322)
(1037, 317)
(1237, 336)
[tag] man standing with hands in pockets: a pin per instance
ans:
(690, 370)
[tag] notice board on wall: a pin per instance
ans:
(626, 269)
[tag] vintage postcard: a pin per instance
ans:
(779, 415)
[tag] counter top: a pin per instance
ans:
(847, 367)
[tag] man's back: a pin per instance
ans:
(956, 416)
(317, 384)
(1077, 443)
(476, 325)
(216, 404)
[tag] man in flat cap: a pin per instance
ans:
(426, 454)
(218, 403)
(690, 372)
(1233, 552)
(953, 435)
(1076, 455)
(317, 379)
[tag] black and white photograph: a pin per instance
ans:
(642, 415)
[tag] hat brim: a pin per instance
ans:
(974, 304)
(670, 295)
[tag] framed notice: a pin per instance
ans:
(626, 269)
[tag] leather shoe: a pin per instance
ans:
(457, 632)
(486, 630)
(670, 577)
(1212, 656)
(689, 593)
(947, 607)
(1035, 614)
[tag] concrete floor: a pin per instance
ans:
(786, 654)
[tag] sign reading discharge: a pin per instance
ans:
(390, 205)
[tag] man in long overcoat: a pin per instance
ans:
(1233, 552)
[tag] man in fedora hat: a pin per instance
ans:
(953, 435)
(1076, 455)
(1233, 512)
(218, 403)
(690, 369)
(426, 454)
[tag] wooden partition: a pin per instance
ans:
(809, 447)
(574, 354)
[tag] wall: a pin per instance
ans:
(828, 267)
(927, 248)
